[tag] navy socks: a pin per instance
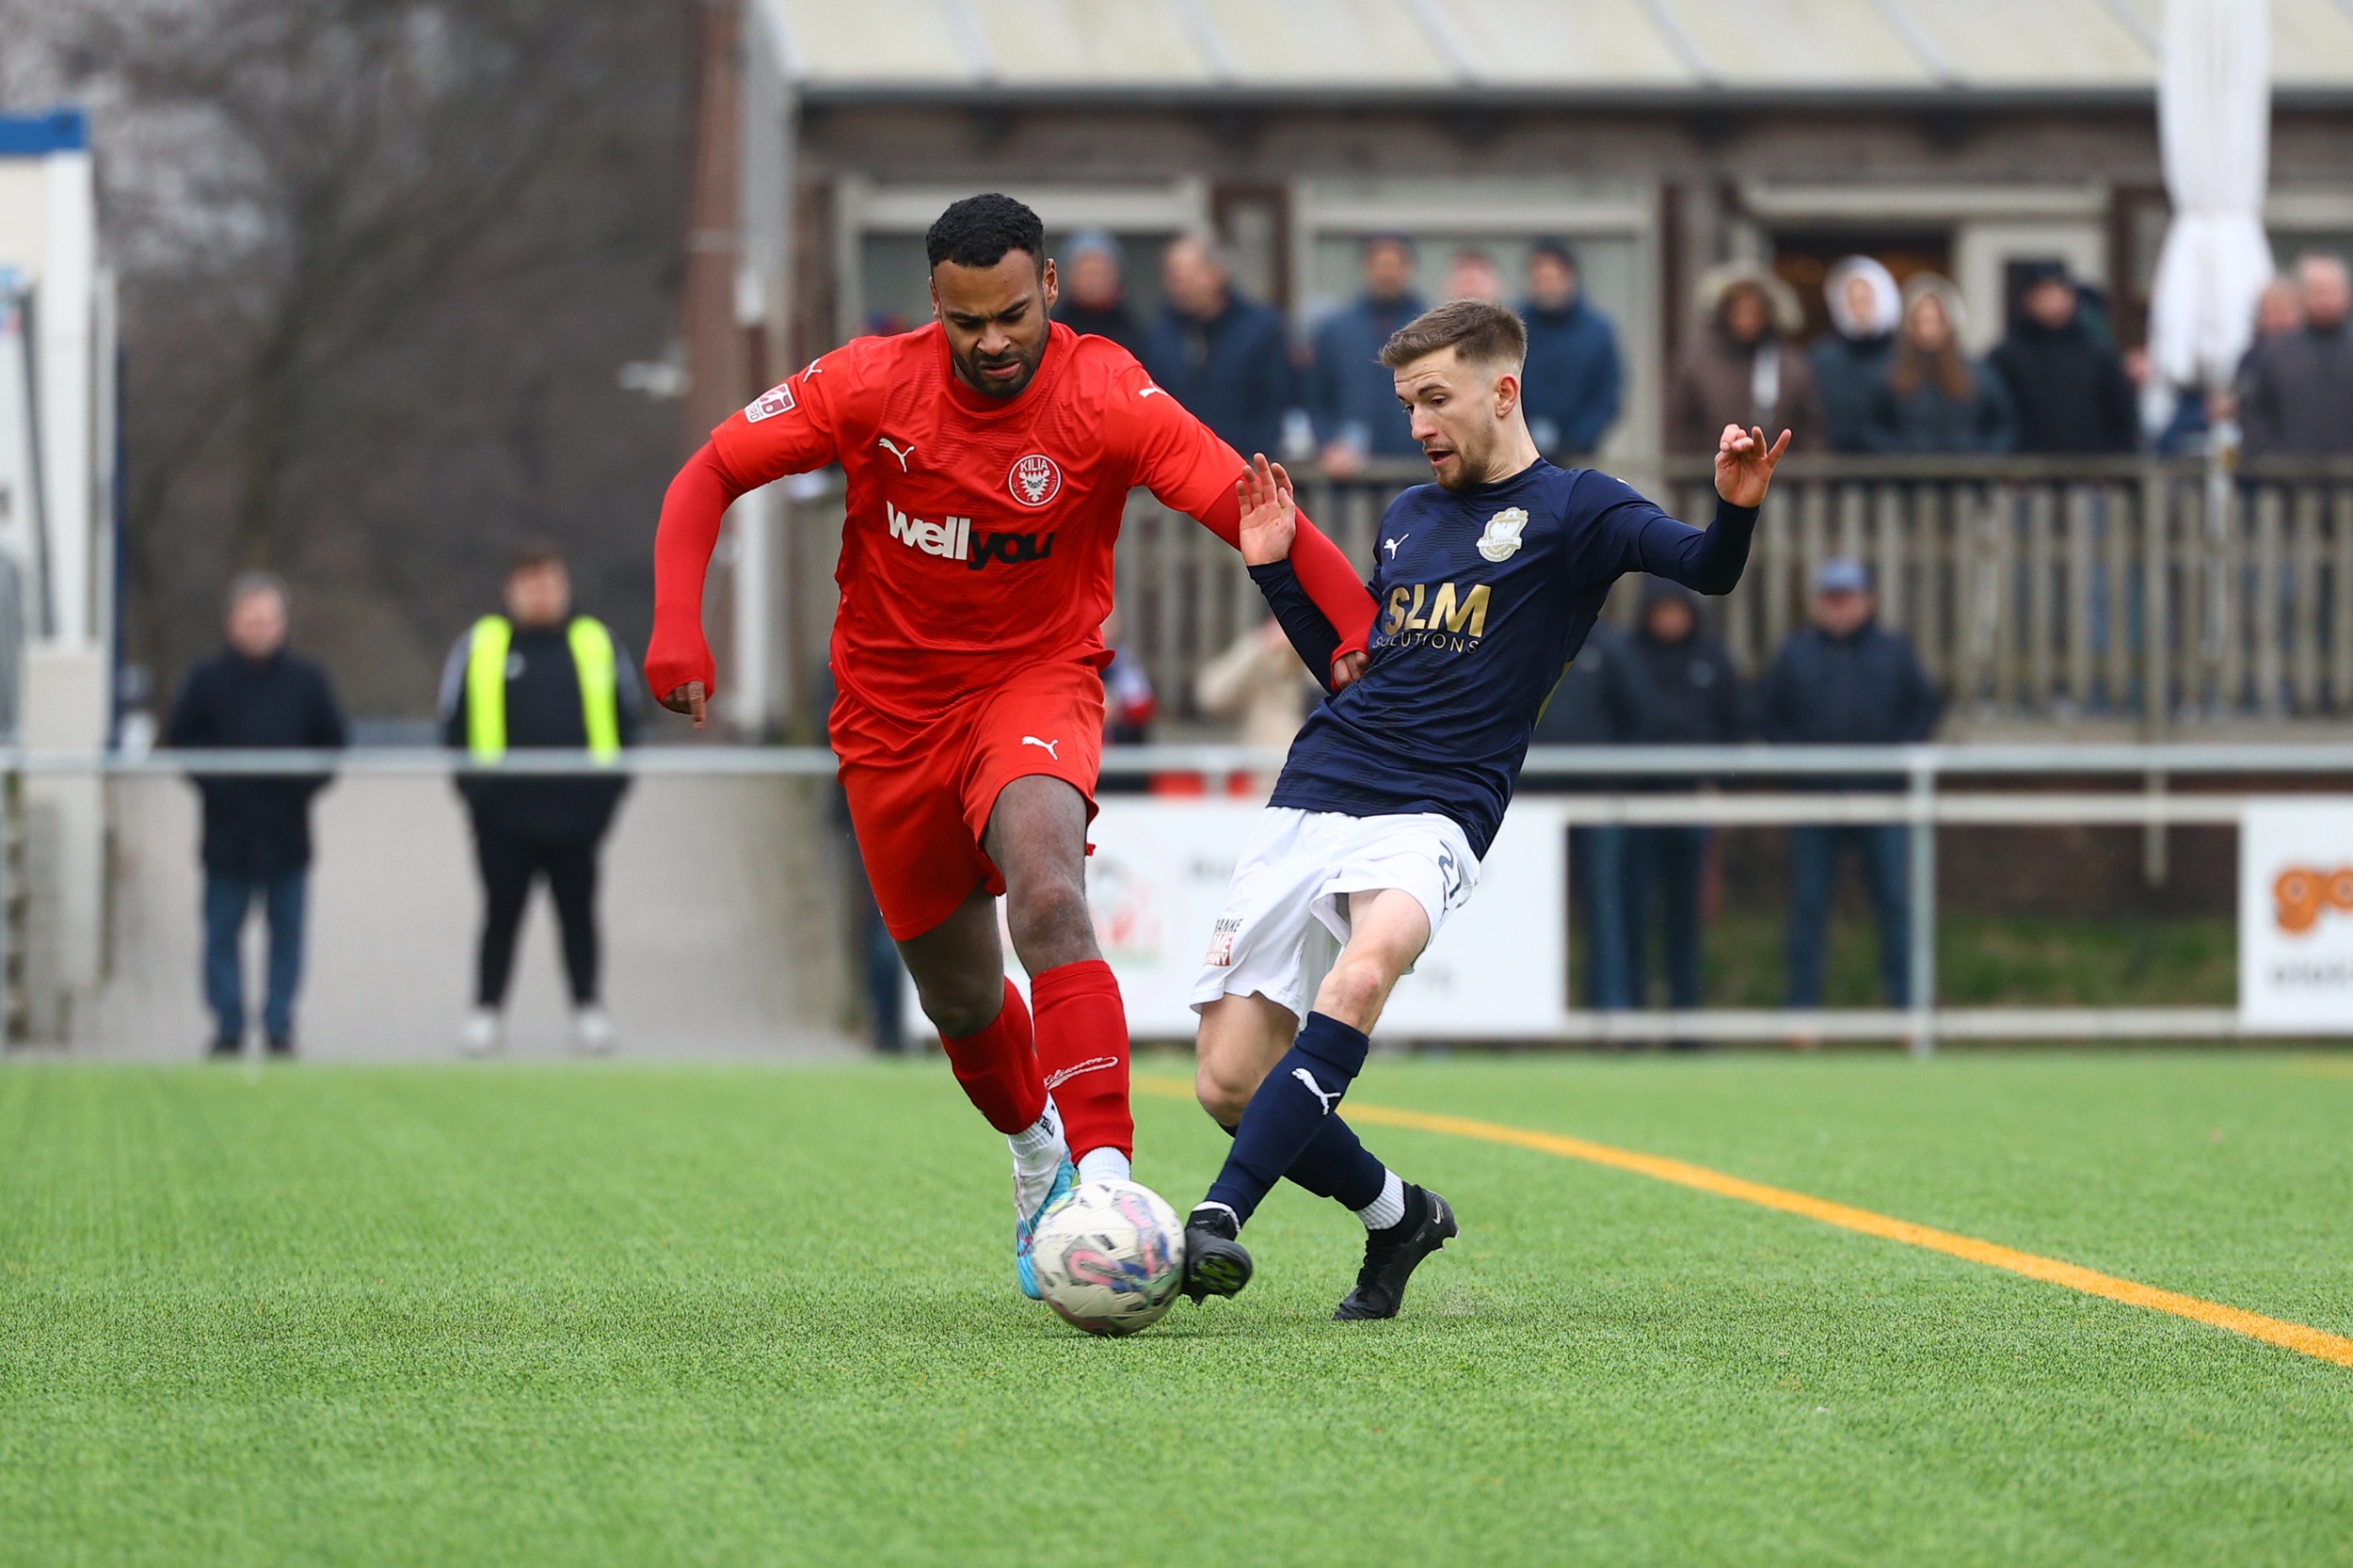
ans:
(1292, 1119)
(1334, 1165)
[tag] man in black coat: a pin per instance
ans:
(1847, 680)
(2072, 393)
(257, 827)
(1694, 698)
(1599, 701)
(539, 676)
(1225, 358)
(1095, 292)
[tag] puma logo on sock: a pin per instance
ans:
(1316, 1089)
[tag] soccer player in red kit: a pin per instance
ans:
(989, 458)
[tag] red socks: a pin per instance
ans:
(999, 1067)
(1082, 1050)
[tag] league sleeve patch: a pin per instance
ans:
(775, 400)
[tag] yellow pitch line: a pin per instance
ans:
(2051, 1271)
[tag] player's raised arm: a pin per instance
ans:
(1266, 531)
(1183, 462)
(786, 429)
(1707, 561)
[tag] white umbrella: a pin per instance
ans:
(2214, 122)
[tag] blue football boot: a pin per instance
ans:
(1025, 1223)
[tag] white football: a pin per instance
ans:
(1110, 1257)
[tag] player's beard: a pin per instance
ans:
(1474, 461)
(1029, 359)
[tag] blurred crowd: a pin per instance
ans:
(1892, 374)
(1230, 360)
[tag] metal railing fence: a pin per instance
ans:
(2035, 588)
(1725, 792)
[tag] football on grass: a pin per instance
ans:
(1109, 1256)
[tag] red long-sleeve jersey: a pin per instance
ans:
(979, 529)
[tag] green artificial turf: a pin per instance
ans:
(630, 1314)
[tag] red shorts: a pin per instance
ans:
(920, 795)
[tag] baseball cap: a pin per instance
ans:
(1841, 574)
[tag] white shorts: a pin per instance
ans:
(1290, 888)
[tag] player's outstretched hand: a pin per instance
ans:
(1348, 669)
(1269, 515)
(1744, 465)
(688, 699)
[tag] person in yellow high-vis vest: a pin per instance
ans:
(539, 676)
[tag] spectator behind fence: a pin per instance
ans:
(2068, 387)
(882, 972)
(1847, 680)
(1260, 682)
(1225, 358)
(1850, 364)
(1474, 275)
(1694, 698)
(257, 827)
(1094, 291)
(1933, 398)
(1351, 394)
(2298, 398)
(1599, 701)
(539, 676)
(1572, 372)
(1129, 704)
(1741, 368)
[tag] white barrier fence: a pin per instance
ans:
(1498, 971)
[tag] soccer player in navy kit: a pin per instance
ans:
(1486, 584)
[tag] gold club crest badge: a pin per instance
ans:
(1501, 541)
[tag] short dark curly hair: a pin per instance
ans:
(979, 230)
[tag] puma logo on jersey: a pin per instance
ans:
(902, 453)
(1149, 391)
(1316, 1089)
(957, 539)
(1390, 545)
(1046, 746)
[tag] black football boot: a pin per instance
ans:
(1391, 1255)
(1215, 1263)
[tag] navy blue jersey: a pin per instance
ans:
(1483, 596)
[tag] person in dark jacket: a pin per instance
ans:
(257, 827)
(2069, 385)
(1694, 698)
(2298, 396)
(1094, 291)
(1573, 377)
(1933, 398)
(1224, 358)
(1847, 680)
(1351, 395)
(1599, 701)
(539, 676)
(1850, 364)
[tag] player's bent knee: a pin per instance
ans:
(1050, 923)
(958, 1010)
(1354, 991)
(1223, 1093)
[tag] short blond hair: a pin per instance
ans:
(1481, 334)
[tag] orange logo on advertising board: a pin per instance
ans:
(2302, 893)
